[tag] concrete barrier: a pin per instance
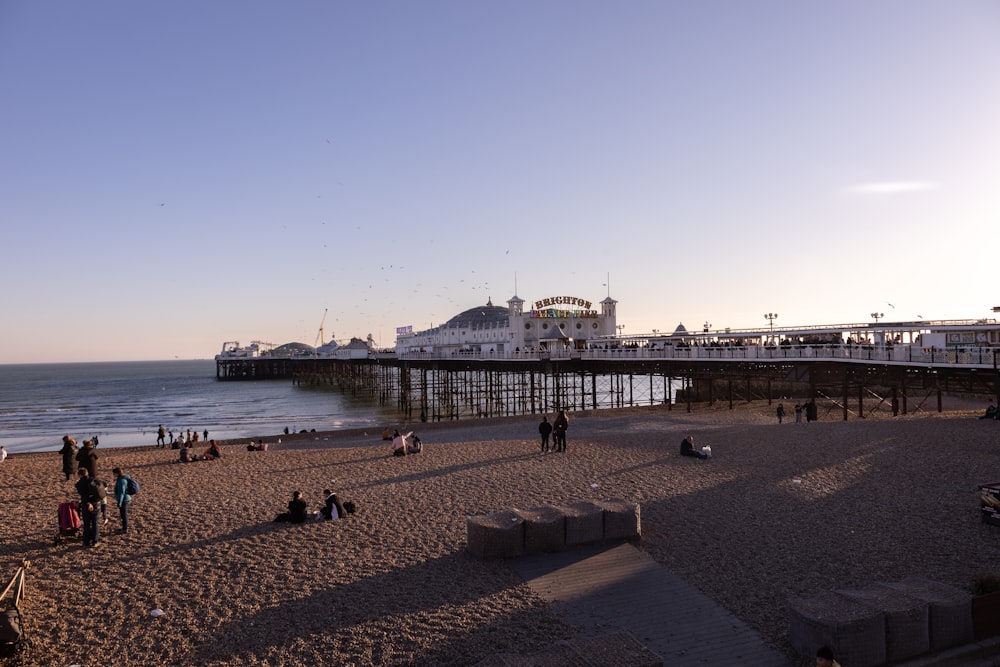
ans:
(949, 610)
(907, 624)
(497, 535)
(855, 632)
(511, 533)
(544, 529)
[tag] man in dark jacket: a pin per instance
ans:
(545, 428)
(90, 491)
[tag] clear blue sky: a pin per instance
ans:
(177, 174)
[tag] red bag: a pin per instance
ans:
(69, 516)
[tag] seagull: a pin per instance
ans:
(890, 305)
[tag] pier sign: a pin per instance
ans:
(566, 300)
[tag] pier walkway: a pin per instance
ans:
(602, 589)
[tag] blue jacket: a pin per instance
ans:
(121, 484)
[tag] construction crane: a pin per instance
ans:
(319, 336)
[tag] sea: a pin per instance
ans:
(123, 404)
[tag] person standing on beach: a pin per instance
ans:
(68, 452)
(781, 412)
(3, 454)
(87, 458)
(798, 413)
(559, 428)
(545, 428)
(161, 436)
(90, 499)
(122, 498)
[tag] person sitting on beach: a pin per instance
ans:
(687, 448)
(186, 454)
(399, 443)
(296, 510)
(385, 434)
(332, 508)
(415, 446)
(991, 413)
(213, 452)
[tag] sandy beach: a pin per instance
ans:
(779, 510)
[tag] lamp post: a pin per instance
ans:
(620, 327)
(877, 316)
(771, 317)
(706, 326)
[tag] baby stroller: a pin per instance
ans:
(69, 520)
(12, 639)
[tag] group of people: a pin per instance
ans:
(92, 490)
(213, 453)
(557, 429)
(298, 509)
(165, 437)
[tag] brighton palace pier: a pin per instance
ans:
(563, 352)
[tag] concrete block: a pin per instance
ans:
(907, 619)
(584, 523)
(544, 529)
(621, 519)
(950, 610)
(855, 631)
(493, 536)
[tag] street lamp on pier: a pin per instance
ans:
(707, 326)
(877, 316)
(619, 327)
(771, 317)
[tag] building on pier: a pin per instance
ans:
(551, 324)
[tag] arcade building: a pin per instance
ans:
(553, 323)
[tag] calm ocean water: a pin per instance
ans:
(124, 402)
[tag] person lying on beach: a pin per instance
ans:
(687, 448)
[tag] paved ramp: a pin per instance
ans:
(607, 588)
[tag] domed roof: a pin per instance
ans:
(293, 349)
(487, 315)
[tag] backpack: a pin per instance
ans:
(350, 507)
(131, 486)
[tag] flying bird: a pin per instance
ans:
(890, 305)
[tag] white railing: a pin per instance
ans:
(978, 357)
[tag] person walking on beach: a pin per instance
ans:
(559, 428)
(781, 412)
(798, 413)
(161, 436)
(122, 498)
(3, 454)
(545, 428)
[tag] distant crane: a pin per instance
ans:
(319, 336)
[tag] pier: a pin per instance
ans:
(846, 381)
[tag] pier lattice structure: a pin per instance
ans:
(446, 389)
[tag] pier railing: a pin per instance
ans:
(977, 357)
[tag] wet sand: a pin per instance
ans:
(779, 510)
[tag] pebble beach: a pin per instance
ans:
(206, 577)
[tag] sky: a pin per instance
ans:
(178, 174)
